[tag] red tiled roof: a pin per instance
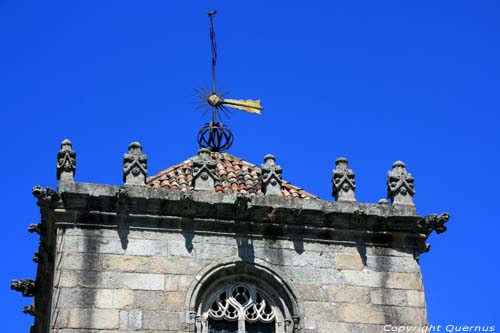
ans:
(235, 174)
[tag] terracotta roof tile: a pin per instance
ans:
(235, 174)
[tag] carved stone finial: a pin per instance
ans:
(66, 162)
(135, 165)
(400, 187)
(204, 167)
(271, 176)
(26, 287)
(343, 183)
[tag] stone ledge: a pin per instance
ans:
(272, 217)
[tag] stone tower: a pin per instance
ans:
(217, 244)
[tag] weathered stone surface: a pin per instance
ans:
(143, 281)
(204, 175)
(135, 319)
(328, 327)
(68, 279)
(151, 300)
(123, 320)
(94, 318)
(343, 183)
(135, 165)
(350, 272)
(114, 298)
(61, 318)
(313, 292)
(362, 313)
(316, 311)
(349, 261)
(347, 294)
(383, 280)
(66, 162)
(154, 320)
(416, 298)
(400, 188)
(271, 176)
(389, 297)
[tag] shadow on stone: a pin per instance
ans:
(123, 231)
(362, 253)
(298, 245)
(245, 249)
(188, 234)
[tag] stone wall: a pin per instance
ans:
(119, 280)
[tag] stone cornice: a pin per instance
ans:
(140, 207)
(274, 217)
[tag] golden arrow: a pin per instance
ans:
(248, 105)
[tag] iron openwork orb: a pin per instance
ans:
(215, 136)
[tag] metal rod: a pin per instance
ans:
(214, 58)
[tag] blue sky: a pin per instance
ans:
(375, 81)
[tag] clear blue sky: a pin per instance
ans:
(375, 81)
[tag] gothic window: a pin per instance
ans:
(241, 308)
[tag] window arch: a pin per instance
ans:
(233, 296)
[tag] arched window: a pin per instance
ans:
(239, 297)
(241, 308)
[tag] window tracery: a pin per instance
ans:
(242, 308)
(244, 300)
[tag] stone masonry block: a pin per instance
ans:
(104, 298)
(77, 297)
(124, 263)
(327, 327)
(176, 301)
(94, 318)
(383, 280)
(151, 300)
(315, 311)
(67, 279)
(174, 265)
(347, 294)
(349, 261)
(135, 319)
(146, 247)
(416, 298)
(389, 297)
(80, 261)
(162, 320)
(94, 279)
(377, 314)
(390, 252)
(312, 292)
(171, 283)
(144, 281)
(385, 264)
(61, 318)
(114, 298)
(361, 313)
(123, 320)
(409, 316)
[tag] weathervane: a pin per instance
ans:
(215, 135)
